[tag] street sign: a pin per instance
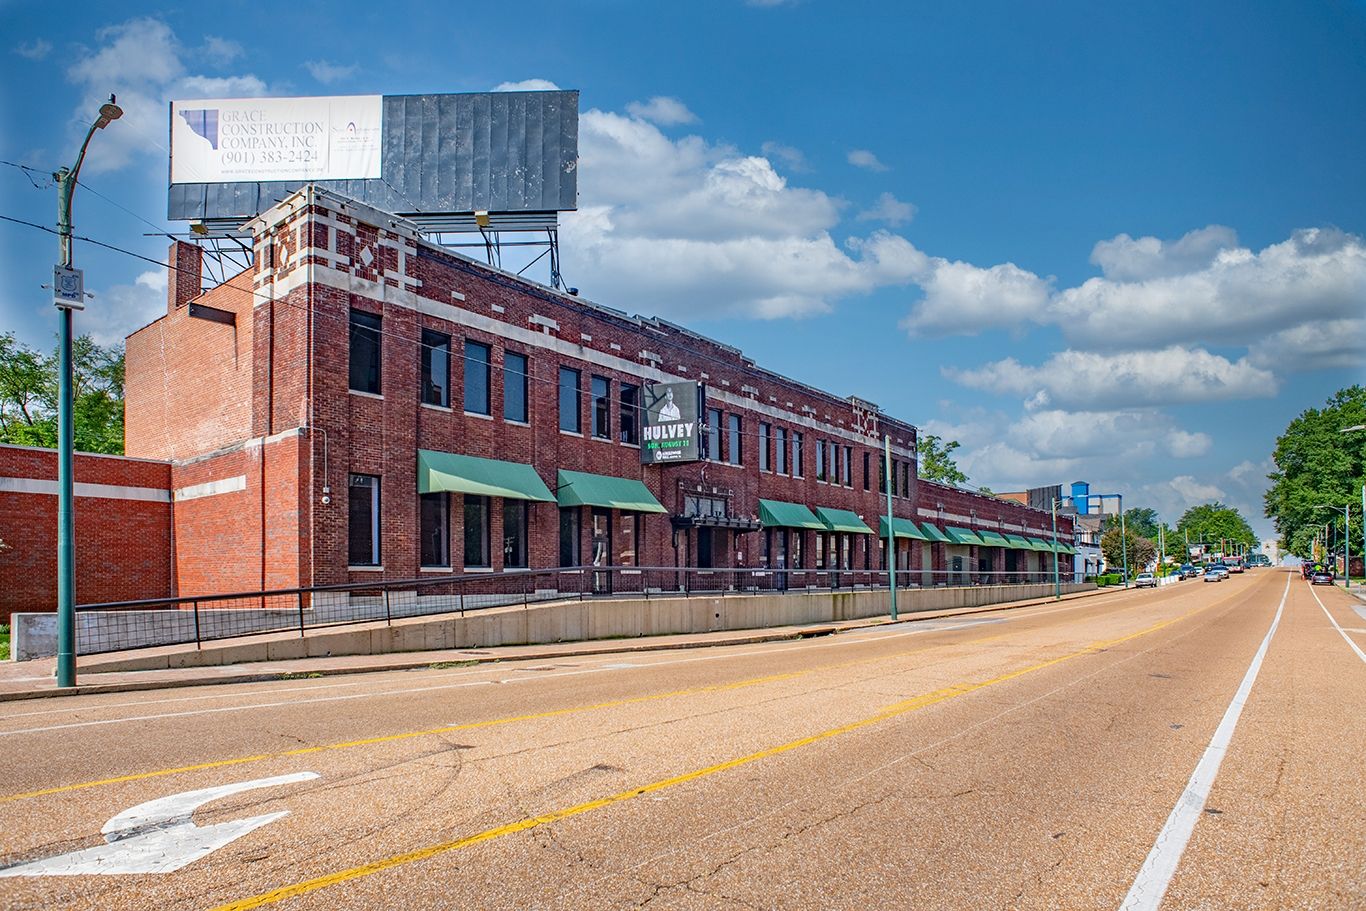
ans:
(670, 423)
(68, 288)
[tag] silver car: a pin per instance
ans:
(1145, 580)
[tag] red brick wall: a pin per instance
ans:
(188, 385)
(123, 546)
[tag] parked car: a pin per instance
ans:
(1215, 574)
(1145, 580)
(1321, 576)
(1188, 571)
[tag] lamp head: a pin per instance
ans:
(109, 112)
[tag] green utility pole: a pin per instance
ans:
(1057, 582)
(68, 293)
(891, 527)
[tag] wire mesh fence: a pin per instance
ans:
(127, 625)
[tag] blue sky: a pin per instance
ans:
(1120, 243)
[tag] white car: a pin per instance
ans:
(1145, 580)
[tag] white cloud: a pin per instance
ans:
(327, 72)
(791, 157)
(527, 85)
(688, 229)
(37, 49)
(1326, 345)
(662, 110)
(862, 158)
(961, 298)
(1184, 445)
(220, 51)
(890, 210)
(1125, 258)
(142, 62)
(1082, 379)
(121, 309)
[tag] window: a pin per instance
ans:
(694, 505)
(846, 472)
(365, 335)
(796, 548)
(601, 390)
(867, 470)
(780, 450)
(569, 400)
(629, 417)
(714, 434)
(514, 534)
(436, 368)
(820, 549)
(820, 462)
(514, 387)
(628, 540)
(476, 378)
(834, 456)
(476, 531)
(896, 478)
(764, 431)
(436, 532)
(736, 448)
(796, 454)
(569, 536)
(882, 475)
(906, 479)
(363, 521)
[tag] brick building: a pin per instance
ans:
(362, 404)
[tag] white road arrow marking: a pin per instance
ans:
(159, 836)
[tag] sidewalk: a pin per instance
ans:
(34, 679)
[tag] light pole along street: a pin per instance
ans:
(1346, 538)
(68, 294)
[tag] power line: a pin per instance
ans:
(400, 339)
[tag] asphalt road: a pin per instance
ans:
(1196, 746)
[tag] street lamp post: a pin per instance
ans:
(1346, 537)
(66, 431)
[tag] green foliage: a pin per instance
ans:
(1114, 543)
(1213, 523)
(28, 395)
(1138, 520)
(1317, 464)
(936, 461)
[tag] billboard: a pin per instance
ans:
(430, 158)
(254, 139)
(671, 426)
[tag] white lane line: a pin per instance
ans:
(1150, 886)
(1341, 632)
(721, 654)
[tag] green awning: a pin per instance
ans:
(1041, 545)
(1019, 543)
(843, 520)
(992, 539)
(446, 472)
(904, 528)
(935, 533)
(777, 514)
(963, 536)
(579, 488)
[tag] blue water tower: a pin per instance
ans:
(1081, 495)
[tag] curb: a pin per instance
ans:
(574, 650)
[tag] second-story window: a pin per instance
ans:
(714, 434)
(515, 387)
(820, 460)
(476, 378)
(780, 450)
(735, 448)
(846, 468)
(601, 392)
(764, 432)
(867, 470)
(436, 368)
(629, 416)
(796, 454)
(365, 351)
(569, 400)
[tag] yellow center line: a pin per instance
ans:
(895, 710)
(409, 735)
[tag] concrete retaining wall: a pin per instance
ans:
(585, 620)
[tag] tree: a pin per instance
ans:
(936, 461)
(1214, 523)
(28, 395)
(1113, 544)
(1318, 465)
(1138, 520)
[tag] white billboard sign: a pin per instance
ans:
(260, 139)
